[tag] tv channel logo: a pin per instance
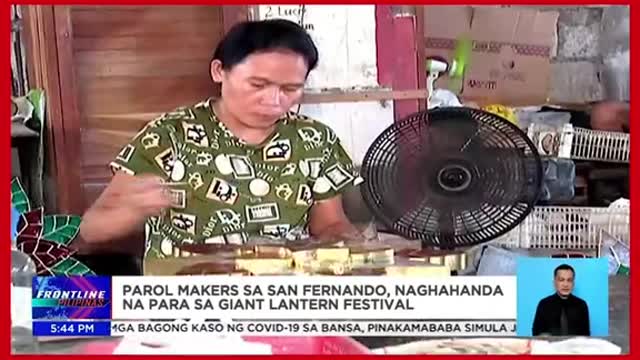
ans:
(74, 297)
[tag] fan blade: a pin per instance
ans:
(459, 63)
(447, 228)
(462, 54)
(455, 85)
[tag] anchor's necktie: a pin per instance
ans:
(564, 322)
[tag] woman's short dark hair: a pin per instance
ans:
(251, 37)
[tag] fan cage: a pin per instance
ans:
(568, 228)
(387, 143)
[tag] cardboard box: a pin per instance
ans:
(510, 61)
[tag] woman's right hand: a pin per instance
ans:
(144, 196)
(123, 207)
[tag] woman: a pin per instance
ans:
(234, 167)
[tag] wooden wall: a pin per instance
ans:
(130, 63)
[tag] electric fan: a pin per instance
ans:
(452, 177)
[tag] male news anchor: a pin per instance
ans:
(562, 314)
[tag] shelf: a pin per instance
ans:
(338, 95)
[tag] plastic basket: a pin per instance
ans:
(595, 145)
(568, 228)
(580, 143)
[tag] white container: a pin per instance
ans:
(577, 143)
(568, 228)
(22, 272)
(596, 145)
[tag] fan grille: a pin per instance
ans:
(452, 177)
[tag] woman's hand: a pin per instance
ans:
(328, 222)
(144, 196)
(123, 207)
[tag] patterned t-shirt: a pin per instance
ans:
(224, 190)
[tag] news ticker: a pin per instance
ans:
(273, 297)
(432, 328)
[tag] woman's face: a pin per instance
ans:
(263, 87)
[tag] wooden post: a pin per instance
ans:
(397, 53)
(43, 28)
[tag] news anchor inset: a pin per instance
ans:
(563, 313)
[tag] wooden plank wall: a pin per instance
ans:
(131, 62)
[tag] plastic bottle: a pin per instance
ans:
(23, 270)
